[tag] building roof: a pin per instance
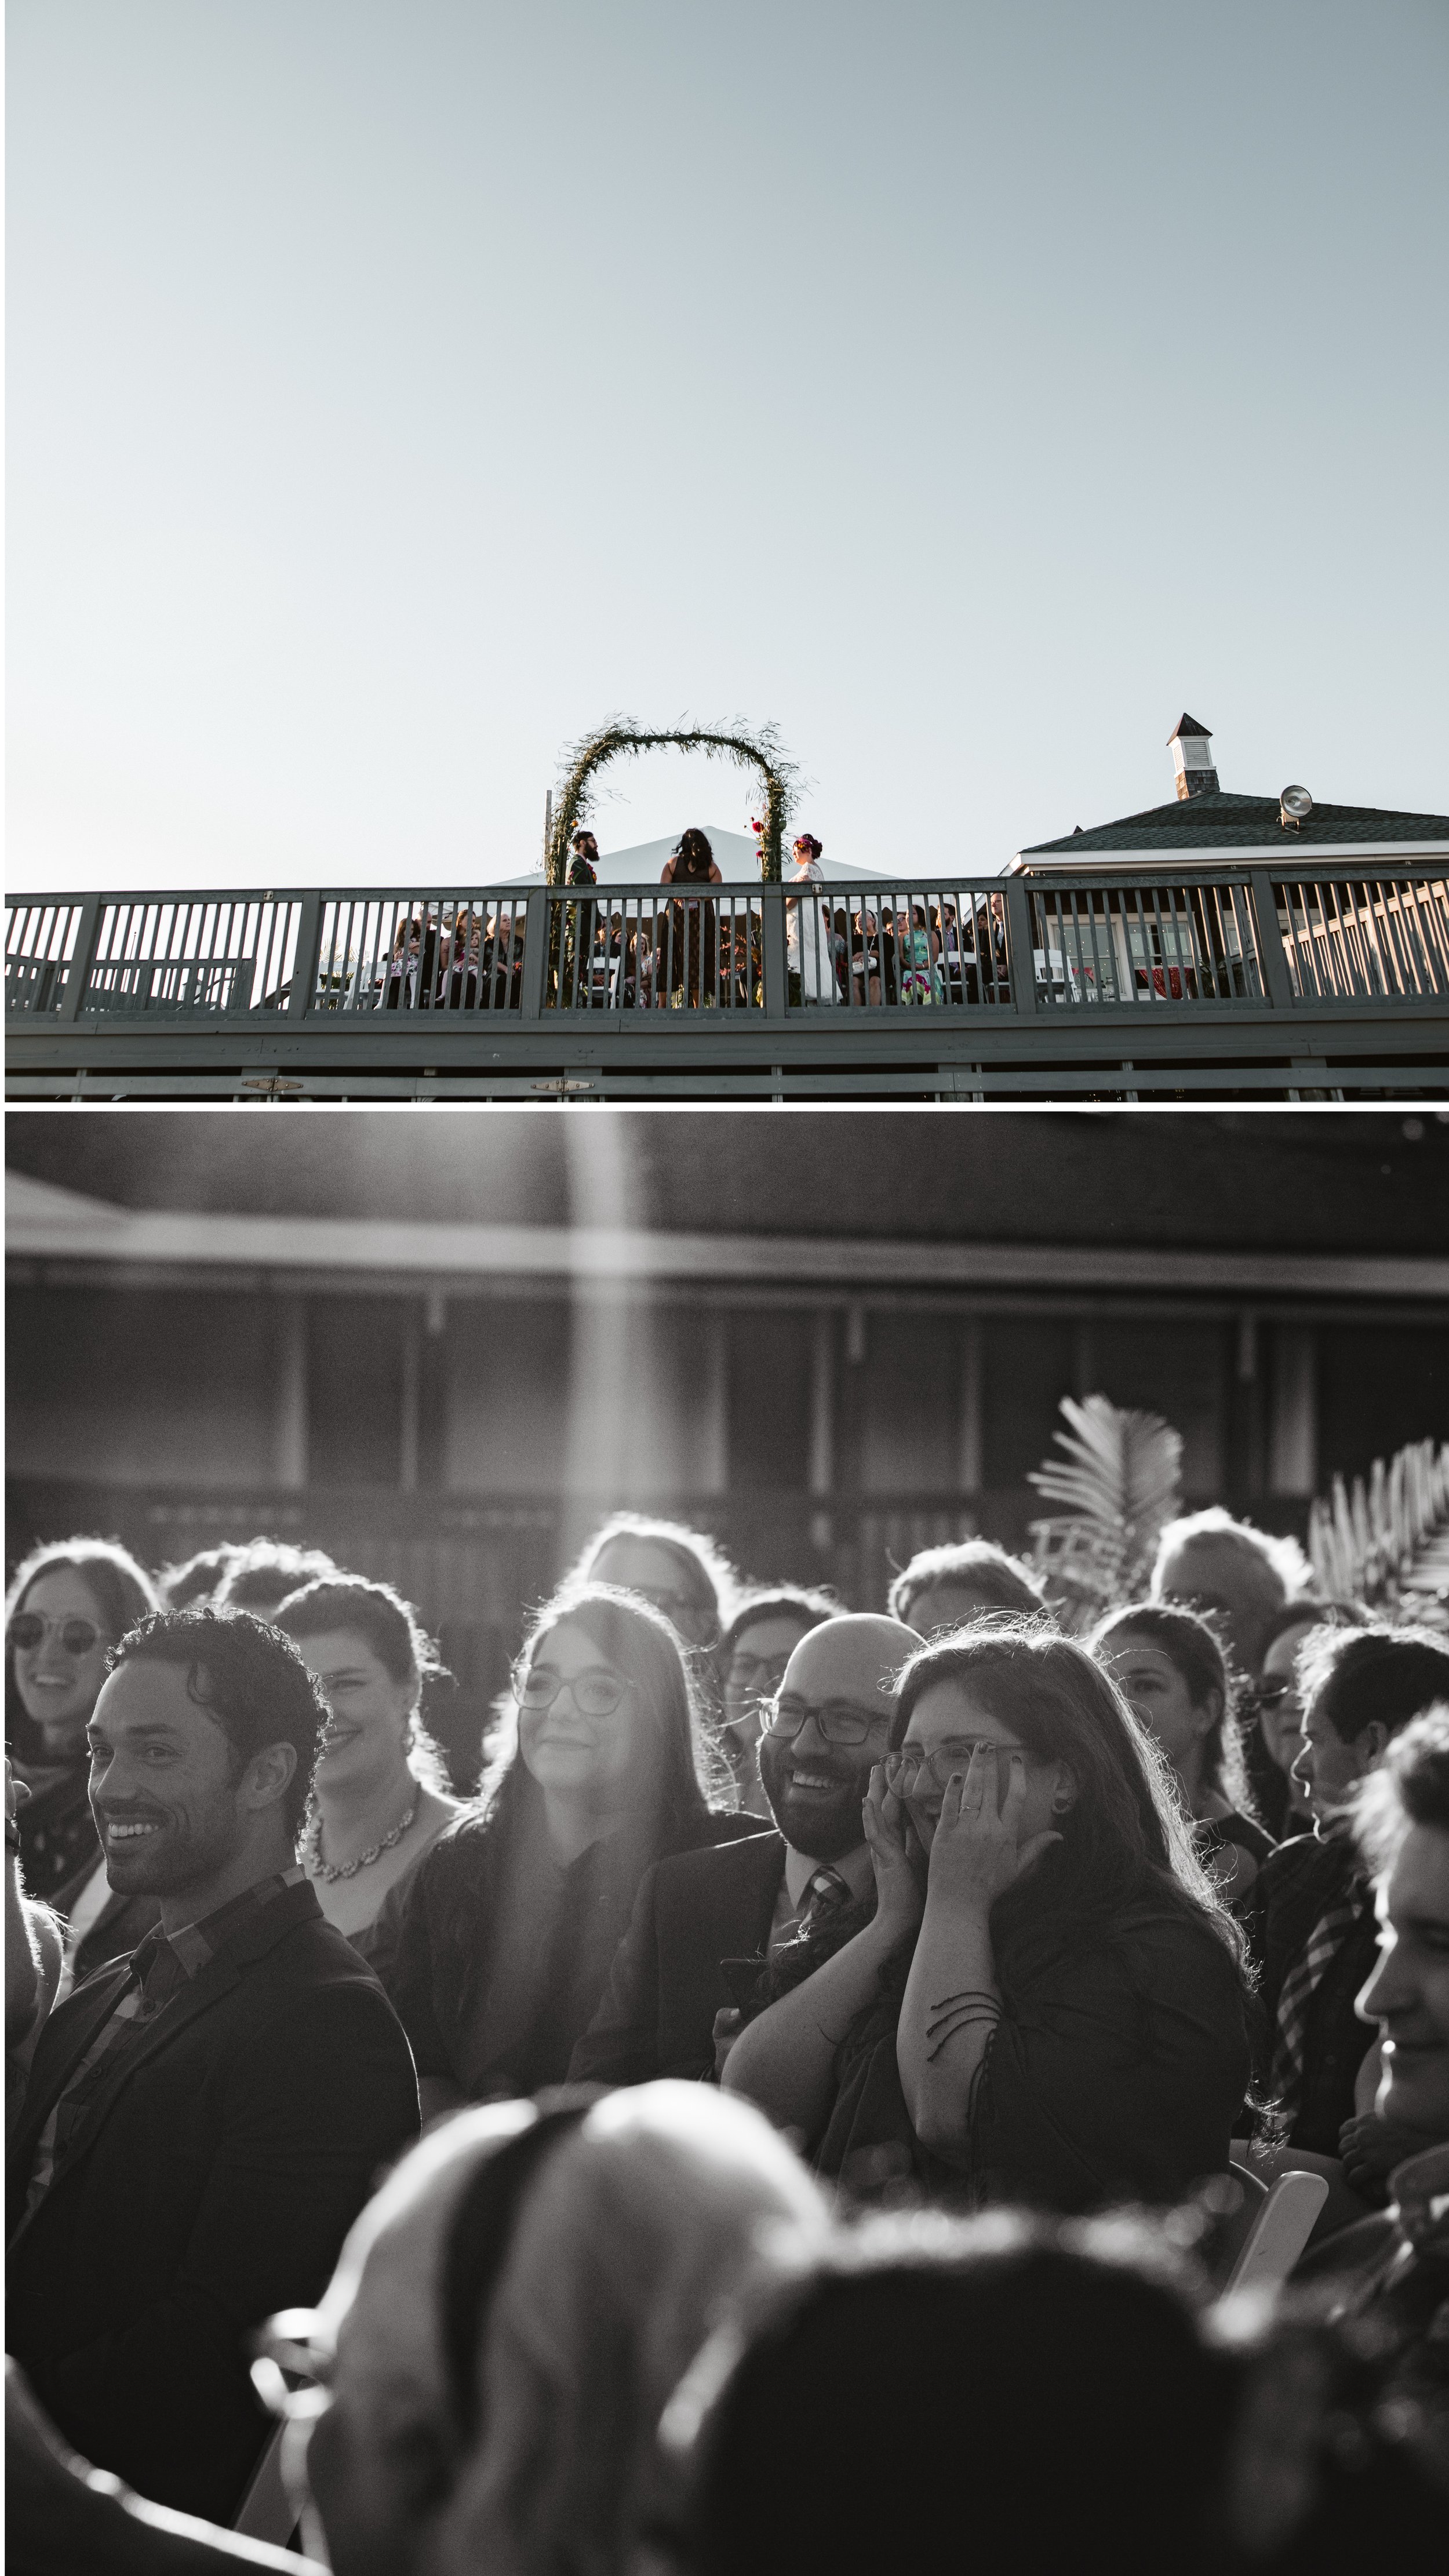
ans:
(1189, 724)
(1266, 1182)
(1226, 823)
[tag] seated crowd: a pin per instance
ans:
(832, 2067)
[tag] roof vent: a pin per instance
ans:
(1294, 806)
(1190, 744)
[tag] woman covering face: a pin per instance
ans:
(496, 1950)
(1047, 2004)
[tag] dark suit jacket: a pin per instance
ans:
(213, 2180)
(656, 2016)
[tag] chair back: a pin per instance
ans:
(1281, 2226)
(266, 2511)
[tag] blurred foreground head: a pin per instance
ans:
(1041, 2392)
(512, 2313)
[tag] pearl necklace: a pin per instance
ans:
(312, 1845)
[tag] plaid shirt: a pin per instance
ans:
(1300, 1884)
(160, 1968)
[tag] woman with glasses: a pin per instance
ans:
(496, 1950)
(679, 1570)
(1048, 2003)
(750, 1660)
(380, 1791)
(1172, 1673)
(68, 1604)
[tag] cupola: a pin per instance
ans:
(1190, 744)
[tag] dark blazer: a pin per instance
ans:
(656, 2015)
(213, 2180)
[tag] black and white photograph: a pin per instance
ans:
(727, 1288)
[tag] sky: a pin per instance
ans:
(398, 388)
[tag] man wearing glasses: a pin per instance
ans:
(704, 1921)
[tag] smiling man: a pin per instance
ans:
(705, 1921)
(204, 2119)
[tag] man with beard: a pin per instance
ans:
(704, 1921)
(204, 2119)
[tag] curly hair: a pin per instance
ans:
(247, 1677)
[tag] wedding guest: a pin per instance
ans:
(679, 1570)
(263, 1572)
(687, 930)
(510, 2316)
(496, 1949)
(750, 1659)
(948, 1587)
(380, 1791)
(1171, 1671)
(1310, 1912)
(706, 1924)
(34, 1950)
(1273, 1699)
(1070, 2360)
(204, 2120)
(68, 1605)
(1047, 2005)
(1232, 1571)
(195, 1580)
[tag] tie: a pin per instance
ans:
(824, 1890)
(1299, 1986)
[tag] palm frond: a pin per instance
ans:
(1386, 1541)
(1120, 1479)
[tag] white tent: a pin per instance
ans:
(735, 856)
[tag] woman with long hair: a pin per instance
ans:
(1173, 1674)
(496, 1949)
(68, 1603)
(1046, 2003)
(687, 929)
(380, 1791)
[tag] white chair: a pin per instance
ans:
(1277, 2232)
(266, 2511)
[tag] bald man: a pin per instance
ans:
(669, 2007)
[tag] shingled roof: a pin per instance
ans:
(1226, 823)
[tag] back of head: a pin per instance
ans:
(197, 1578)
(262, 1574)
(1358, 1676)
(635, 2230)
(1003, 2395)
(976, 1565)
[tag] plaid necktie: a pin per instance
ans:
(824, 1890)
(1299, 1986)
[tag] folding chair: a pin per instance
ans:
(1280, 2225)
(266, 2511)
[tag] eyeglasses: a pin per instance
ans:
(1267, 1696)
(837, 1721)
(675, 1605)
(290, 2370)
(596, 1691)
(903, 1768)
(28, 1627)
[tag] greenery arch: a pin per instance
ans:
(759, 749)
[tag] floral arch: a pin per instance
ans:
(761, 750)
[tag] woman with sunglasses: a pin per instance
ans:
(68, 1604)
(495, 1951)
(1048, 2003)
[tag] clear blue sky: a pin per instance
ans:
(395, 390)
